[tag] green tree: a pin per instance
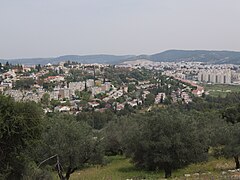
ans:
(232, 114)
(118, 134)
(49, 86)
(78, 94)
(150, 98)
(24, 83)
(232, 145)
(96, 120)
(73, 142)
(167, 140)
(1, 68)
(55, 103)
(85, 96)
(131, 87)
(38, 67)
(45, 100)
(20, 130)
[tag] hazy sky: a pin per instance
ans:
(43, 28)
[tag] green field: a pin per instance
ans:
(120, 168)
(221, 90)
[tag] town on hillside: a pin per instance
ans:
(73, 87)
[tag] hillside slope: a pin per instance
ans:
(212, 57)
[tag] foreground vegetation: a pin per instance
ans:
(120, 167)
(221, 90)
(169, 141)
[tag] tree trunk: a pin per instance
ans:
(237, 162)
(168, 171)
(69, 172)
(70, 169)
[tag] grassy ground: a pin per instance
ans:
(221, 89)
(120, 168)
(209, 170)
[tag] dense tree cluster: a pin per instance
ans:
(162, 139)
(166, 138)
(24, 84)
(168, 142)
(20, 130)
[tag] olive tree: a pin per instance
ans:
(73, 143)
(167, 140)
(20, 130)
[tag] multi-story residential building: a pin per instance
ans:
(54, 79)
(215, 76)
(160, 98)
(54, 94)
(90, 82)
(9, 75)
(236, 77)
(16, 94)
(64, 93)
(96, 90)
(80, 86)
(185, 97)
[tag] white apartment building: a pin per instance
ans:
(90, 83)
(80, 86)
(215, 76)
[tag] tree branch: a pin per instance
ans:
(47, 160)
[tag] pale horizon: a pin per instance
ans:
(43, 57)
(52, 28)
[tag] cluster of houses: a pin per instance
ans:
(65, 93)
(196, 71)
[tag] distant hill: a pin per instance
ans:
(211, 57)
(108, 59)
